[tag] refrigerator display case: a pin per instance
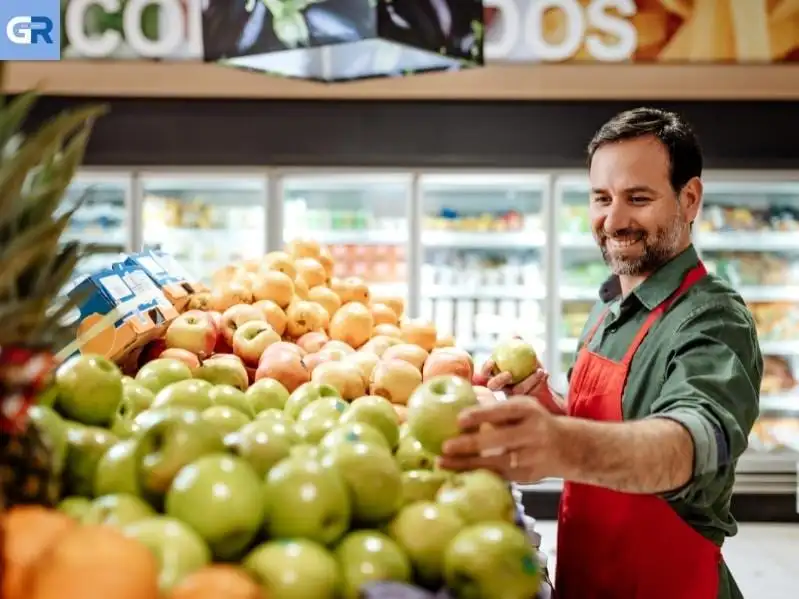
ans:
(484, 254)
(204, 221)
(104, 219)
(362, 218)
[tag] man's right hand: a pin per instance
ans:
(536, 386)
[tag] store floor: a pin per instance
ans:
(764, 558)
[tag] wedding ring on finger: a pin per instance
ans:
(514, 460)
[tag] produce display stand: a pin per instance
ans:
(237, 384)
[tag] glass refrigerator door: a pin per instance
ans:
(483, 274)
(749, 236)
(205, 222)
(581, 270)
(362, 218)
(103, 219)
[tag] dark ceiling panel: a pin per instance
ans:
(411, 134)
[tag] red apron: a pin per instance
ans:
(614, 545)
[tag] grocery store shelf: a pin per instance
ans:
(484, 240)
(779, 348)
(780, 402)
(577, 241)
(579, 294)
(354, 237)
(749, 241)
(478, 292)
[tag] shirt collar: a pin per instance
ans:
(657, 287)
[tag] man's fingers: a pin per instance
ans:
(487, 369)
(499, 382)
(501, 413)
(498, 464)
(528, 385)
(487, 441)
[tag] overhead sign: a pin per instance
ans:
(518, 31)
(29, 30)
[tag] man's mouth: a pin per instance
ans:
(622, 243)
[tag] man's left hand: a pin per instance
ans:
(517, 439)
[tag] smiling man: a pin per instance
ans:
(662, 395)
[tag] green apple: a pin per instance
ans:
(223, 370)
(478, 496)
(117, 510)
(486, 557)
(354, 432)
(118, 470)
(319, 418)
(516, 357)
(304, 451)
(266, 394)
(168, 443)
(221, 497)
(303, 499)
(410, 455)
(159, 373)
(306, 394)
(89, 389)
(263, 443)
(366, 556)
(191, 393)
(224, 419)
(376, 412)
(178, 550)
(86, 446)
(75, 507)
(274, 414)
(293, 569)
(433, 410)
(53, 431)
(424, 530)
(422, 485)
(135, 399)
(372, 476)
(227, 395)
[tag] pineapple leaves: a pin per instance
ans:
(14, 114)
(39, 149)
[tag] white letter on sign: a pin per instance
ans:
(170, 36)
(620, 28)
(100, 45)
(573, 38)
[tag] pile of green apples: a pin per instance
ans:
(313, 496)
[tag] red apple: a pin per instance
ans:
(282, 347)
(285, 367)
(251, 340)
(193, 331)
(217, 318)
(313, 341)
(237, 315)
(189, 359)
(448, 360)
(228, 356)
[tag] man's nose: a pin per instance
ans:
(617, 217)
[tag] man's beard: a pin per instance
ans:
(653, 251)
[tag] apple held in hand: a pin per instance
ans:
(221, 497)
(516, 357)
(193, 331)
(251, 340)
(485, 557)
(306, 500)
(294, 569)
(434, 407)
(177, 548)
(89, 389)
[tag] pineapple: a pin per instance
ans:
(35, 172)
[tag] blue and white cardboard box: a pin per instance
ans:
(175, 283)
(121, 309)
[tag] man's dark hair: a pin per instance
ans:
(673, 132)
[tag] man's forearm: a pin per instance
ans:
(647, 456)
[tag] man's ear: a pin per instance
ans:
(691, 198)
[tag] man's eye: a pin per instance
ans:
(639, 199)
(600, 199)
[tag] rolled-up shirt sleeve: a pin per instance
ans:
(712, 388)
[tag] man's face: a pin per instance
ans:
(638, 220)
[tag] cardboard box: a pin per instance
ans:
(121, 309)
(171, 278)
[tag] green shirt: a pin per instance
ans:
(701, 366)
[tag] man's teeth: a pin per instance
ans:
(623, 243)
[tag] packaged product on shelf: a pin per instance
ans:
(778, 376)
(121, 309)
(772, 434)
(170, 277)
